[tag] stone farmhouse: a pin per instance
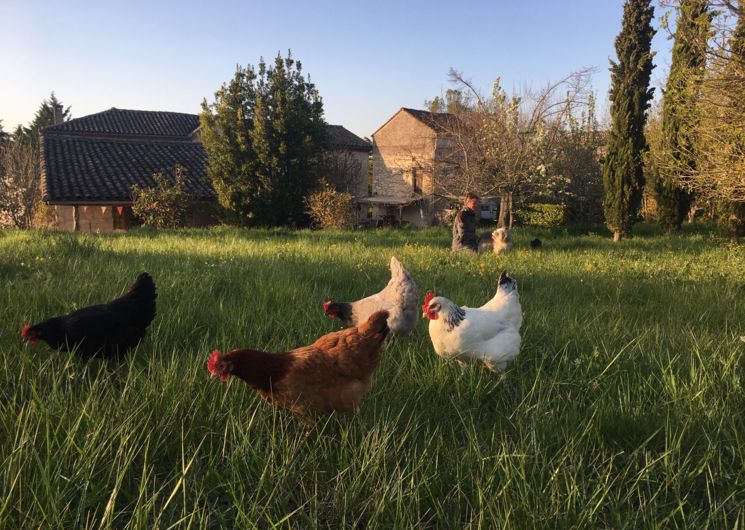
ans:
(412, 151)
(90, 164)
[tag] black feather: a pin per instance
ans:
(455, 317)
(109, 330)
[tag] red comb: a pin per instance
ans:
(326, 305)
(212, 366)
(427, 299)
(26, 335)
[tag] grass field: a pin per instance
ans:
(625, 408)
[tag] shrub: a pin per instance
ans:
(541, 214)
(163, 206)
(333, 209)
(44, 216)
(19, 184)
(731, 220)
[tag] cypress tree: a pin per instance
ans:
(45, 117)
(679, 114)
(630, 96)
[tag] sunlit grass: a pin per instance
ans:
(623, 410)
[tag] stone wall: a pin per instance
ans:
(402, 150)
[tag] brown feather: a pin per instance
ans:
(333, 373)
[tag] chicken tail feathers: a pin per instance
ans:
(397, 270)
(143, 294)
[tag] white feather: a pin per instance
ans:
(490, 333)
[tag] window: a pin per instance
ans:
(416, 181)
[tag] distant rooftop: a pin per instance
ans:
(341, 138)
(124, 122)
(440, 122)
(99, 157)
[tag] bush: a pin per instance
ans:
(541, 214)
(20, 175)
(731, 220)
(44, 216)
(333, 209)
(165, 205)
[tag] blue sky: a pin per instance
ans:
(367, 59)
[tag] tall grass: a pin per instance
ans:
(623, 410)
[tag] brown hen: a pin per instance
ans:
(333, 373)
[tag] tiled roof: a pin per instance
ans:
(442, 123)
(122, 122)
(90, 170)
(439, 121)
(341, 138)
(97, 158)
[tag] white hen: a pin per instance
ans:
(400, 298)
(490, 333)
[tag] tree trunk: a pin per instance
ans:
(75, 218)
(503, 208)
(616, 236)
(511, 216)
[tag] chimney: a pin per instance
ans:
(58, 114)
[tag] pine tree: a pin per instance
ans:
(630, 96)
(265, 136)
(44, 117)
(3, 135)
(679, 115)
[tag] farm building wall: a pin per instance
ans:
(403, 151)
(91, 218)
(105, 218)
(403, 162)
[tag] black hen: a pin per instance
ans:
(109, 330)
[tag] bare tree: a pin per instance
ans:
(719, 144)
(504, 144)
(343, 170)
(20, 176)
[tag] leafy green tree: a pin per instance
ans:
(454, 102)
(265, 137)
(630, 95)
(680, 120)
